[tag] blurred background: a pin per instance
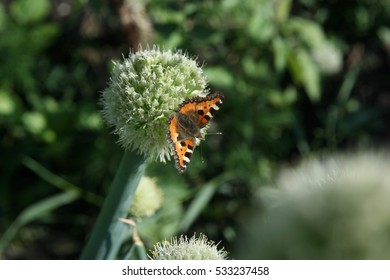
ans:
(300, 77)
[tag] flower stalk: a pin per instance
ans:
(109, 233)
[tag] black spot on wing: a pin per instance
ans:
(212, 111)
(188, 155)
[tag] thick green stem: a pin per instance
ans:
(108, 234)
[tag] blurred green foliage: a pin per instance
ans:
(299, 77)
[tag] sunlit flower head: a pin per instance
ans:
(144, 90)
(184, 248)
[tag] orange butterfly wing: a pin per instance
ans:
(205, 107)
(179, 137)
(182, 148)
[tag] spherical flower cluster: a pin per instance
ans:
(144, 90)
(148, 198)
(188, 249)
(332, 208)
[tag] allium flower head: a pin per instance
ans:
(148, 198)
(188, 249)
(335, 207)
(144, 90)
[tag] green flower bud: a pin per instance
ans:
(188, 249)
(148, 198)
(144, 91)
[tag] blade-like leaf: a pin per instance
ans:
(35, 212)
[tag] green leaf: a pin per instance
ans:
(34, 122)
(26, 11)
(7, 103)
(308, 31)
(36, 212)
(282, 10)
(260, 22)
(384, 35)
(46, 33)
(305, 72)
(59, 182)
(255, 69)
(219, 77)
(200, 201)
(283, 99)
(280, 51)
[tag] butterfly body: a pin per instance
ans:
(185, 125)
(188, 125)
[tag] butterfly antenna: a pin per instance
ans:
(214, 133)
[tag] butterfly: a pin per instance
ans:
(184, 126)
